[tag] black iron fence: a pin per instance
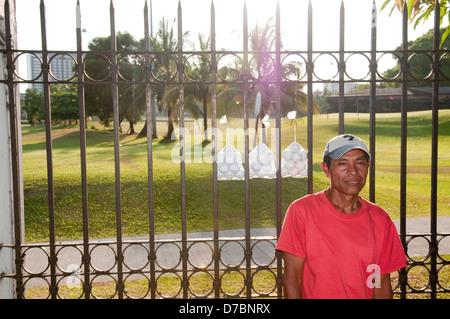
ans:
(232, 265)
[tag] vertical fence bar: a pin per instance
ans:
(84, 188)
(403, 149)
(248, 252)
(48, 135)
(214, 152)
(15, 151)
(149, 121)
(309, 70)
(373, 98)
(184, 249)
(278, 72)
(341, 68)
(434, 151)
(115, 103)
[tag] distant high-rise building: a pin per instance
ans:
(61, 68)
(334, 87)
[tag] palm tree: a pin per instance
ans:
(165, 69)
(262, 69)
(198, 96)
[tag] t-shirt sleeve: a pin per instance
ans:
(393, 255)
(292, 236)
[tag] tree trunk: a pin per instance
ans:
(143, 132)
(168, 137)
(205, 118)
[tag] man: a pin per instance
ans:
(336, 244)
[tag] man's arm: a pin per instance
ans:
(293, 272)
(385, 290)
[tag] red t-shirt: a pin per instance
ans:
(341, 251)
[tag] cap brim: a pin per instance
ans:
(338, 153)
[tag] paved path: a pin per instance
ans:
(200, 249)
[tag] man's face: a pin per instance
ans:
(348, 174)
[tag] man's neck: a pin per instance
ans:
(346, 204)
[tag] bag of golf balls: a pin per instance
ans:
(229, 164)
(294, 161)
(262, 162)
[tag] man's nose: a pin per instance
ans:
(351, 169)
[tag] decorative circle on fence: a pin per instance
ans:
(70, 259)
(421, 246)
(168, 284)
(445, 66)
(266, 255)
(418, 277)
(229, 67)
(24, 58)
(70, 287)
(103, 287)
(56, 62)
(444, 243)
(443, 277)
(36, 288)
(232, 254)
(166, 67)
(293, 67)
(416, 63)
(326, 66)
(232, 283)
(264, 281)
(137, 286)
(198, 67)
(168, 255)
(135, 256)
(200, 255)
(97, 67)
(103, 257)
(201, 284)
(386, 58)
(357, 66)
(31, 256)
(130, 67)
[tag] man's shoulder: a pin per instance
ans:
(307, 198)
(306, 202)
(376, 211)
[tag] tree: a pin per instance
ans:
(321, 97)
(199, 98)
(99, 96)
(420, 64)
(65, 103)
(34, 106)
(262, 69)
(421, 10)
(165, 69)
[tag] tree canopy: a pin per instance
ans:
(422, 10)
(420, 62)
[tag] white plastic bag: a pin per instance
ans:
(229, 164)
(262, 162)
(294, 161)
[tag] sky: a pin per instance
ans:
(95, 21)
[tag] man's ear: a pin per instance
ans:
(325, 169)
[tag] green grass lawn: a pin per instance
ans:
(199, 198)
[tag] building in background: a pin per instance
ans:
(61, 69)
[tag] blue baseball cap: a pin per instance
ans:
(341, 144)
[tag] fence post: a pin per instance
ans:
(11, 199)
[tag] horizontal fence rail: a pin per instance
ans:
(235, 265)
